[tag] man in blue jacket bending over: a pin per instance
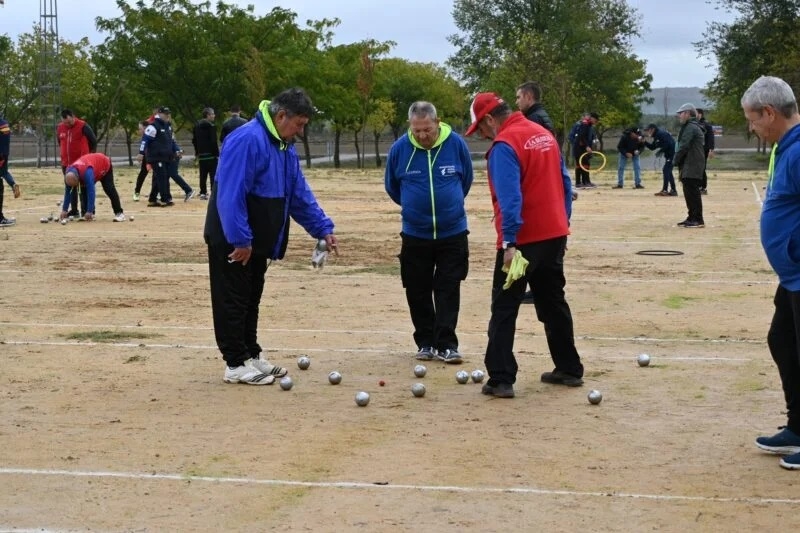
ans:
(429, 174)
(259, 185)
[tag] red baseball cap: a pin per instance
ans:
(482, 105)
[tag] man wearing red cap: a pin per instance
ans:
(530, 216)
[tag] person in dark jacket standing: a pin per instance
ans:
(708, 145)
(691, 162)
(259, 187)
(5, 148)
(531, 223)
(664, 145)
(429, 174)
(206, 149)
(157, 146)
(770, 108)
(630, 145)
(232, 123)
(584, 140)
(529, 101)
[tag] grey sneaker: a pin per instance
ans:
(189, 195)
(426, 353)
(8, 221)
(450, 356)
(247, 374)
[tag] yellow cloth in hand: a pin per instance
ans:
(516, 270)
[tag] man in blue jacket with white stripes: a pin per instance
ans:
(429, 174)
(258, 187)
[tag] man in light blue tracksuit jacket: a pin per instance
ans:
(429, 174)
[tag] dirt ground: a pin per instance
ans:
(115, 416)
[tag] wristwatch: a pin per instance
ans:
(509, 244)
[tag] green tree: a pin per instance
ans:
(578, 50)
(762, 40)
(404, 82)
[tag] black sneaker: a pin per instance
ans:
(589, 186)
(694, 224)
(426, 353)
(557, 377)
(683, 223)
(638, 186)
(501, 390)
(617, 186)
(450, 356)
(673, 193)
(784, 442)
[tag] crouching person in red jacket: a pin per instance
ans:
(85, 172)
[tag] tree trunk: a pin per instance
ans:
(377, 137)
(358, 151)
(337, 163)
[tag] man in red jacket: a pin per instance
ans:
(86, 171)
(530, 215)
(76, 139)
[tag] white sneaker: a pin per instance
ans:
(248, 373)
(120, 217)
(265, 367)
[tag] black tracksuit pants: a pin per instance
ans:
(784, 345)
(545, 274)
(235, 296)
(432, 272)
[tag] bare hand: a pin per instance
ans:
(711, 154)
(508, 256)
(63, 215)
(333, 243)
(139, 158)
(240, 255)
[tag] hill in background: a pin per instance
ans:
(667, 99)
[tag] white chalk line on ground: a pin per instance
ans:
(354, 332)
(345, 276)
(379, 350)
(388, 486)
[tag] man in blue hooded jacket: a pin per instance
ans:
(429, 174)
(258, 187)
(771, 111)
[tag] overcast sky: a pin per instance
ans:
(420, 28)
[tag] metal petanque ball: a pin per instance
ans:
(420, 371)
(418, 390)
(362, 398)
(643, 359)
(462, 376)
(44, 220)
(303, 362)
(130, 218)
(286, 383)
(477, 376)
(335, 378)
(595, 396)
